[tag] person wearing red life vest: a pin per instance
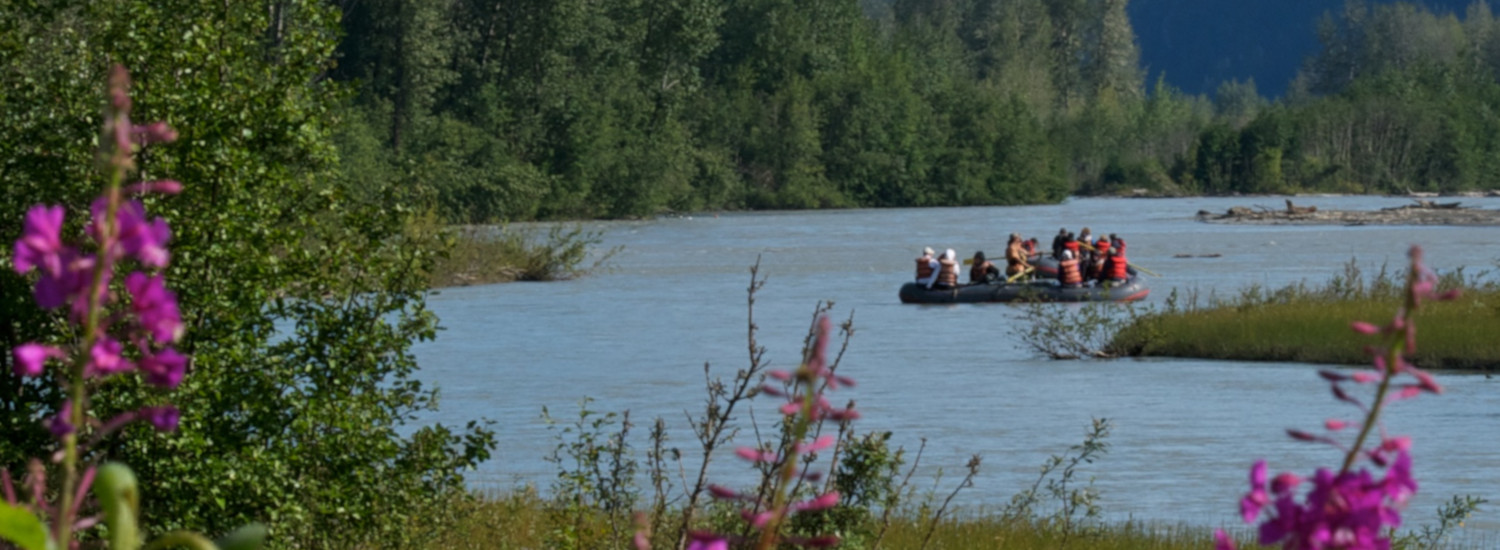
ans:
(1116, 268)
(927, 268)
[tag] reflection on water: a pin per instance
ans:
(1185, 431)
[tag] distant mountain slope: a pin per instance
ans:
(1200, 43)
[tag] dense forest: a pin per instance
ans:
(574, 109)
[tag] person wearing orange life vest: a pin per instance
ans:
(1116, 268)
(927, 268)
(1118, 242)
(947, 277)
(1067, 270)
(1015, 256)
(1070, 243)
(984, 271)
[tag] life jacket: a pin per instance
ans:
(1072, 245)
(980, 272)
(1029, 247)
(924, 267)
(1115, 268)
(1103, 248)
(1120, 245)
(948, 272)
(1067, 272)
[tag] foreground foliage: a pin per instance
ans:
(301, 298)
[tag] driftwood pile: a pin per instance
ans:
(1421, 212)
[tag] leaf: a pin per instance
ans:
(20, 527)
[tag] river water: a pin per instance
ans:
(1185, 431)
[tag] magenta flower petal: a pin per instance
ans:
(40, 241)
(105, 358)
(164, 368)
(31, 358)
(1222, 541)
(1284, 483)
(1364, 328)
(59, 424)
(707, 541)
(822, 502)
(164, 418)
(155, 307)
(822, 442)
(755, 455)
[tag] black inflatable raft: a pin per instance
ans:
(1041, 290)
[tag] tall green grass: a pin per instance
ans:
(524, 520)
(1311, 323)
(491, 254)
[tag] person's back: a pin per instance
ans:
(947, 271)
(1058, 243)
(1015, 257)
(927, 268)
(1067, 270)
(1116, 268)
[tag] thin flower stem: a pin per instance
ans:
(1393, 356)
(788, 472)
(92, 328)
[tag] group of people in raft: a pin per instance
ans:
(1080, 258)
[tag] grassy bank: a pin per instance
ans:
(524, 520)
(491, 254)
(1311, 324)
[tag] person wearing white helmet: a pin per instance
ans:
(947, 277)
(927, 268)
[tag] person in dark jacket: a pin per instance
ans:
(984, 271)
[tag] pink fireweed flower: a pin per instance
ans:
(1222, 541)
(31, 358)
(41, 243)
(1257, 498)
(155, 307)
(1334, 424)
(68, 284)
(756, 455)
(1364, 328)
(706, 541)
(1284, 483)
(155, 132)
(105, 358)
(821, 443)
(164, 418)
(59, 424)
(822, 502)
(165, 187)
(146, 240)
(164, 368)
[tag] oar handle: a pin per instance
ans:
(1013, 278)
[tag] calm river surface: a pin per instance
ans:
(1185, 431)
